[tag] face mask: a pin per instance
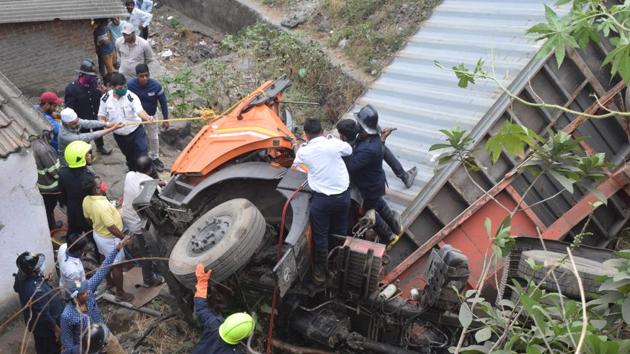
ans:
(87, 81)
(120, 92)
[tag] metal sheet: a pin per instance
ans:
(419, 99)
(19, 122)
(12, 11)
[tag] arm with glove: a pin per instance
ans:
(209, 319)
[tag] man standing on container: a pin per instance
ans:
(322, 159)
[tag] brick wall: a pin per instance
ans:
(40, 56)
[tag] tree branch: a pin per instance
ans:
(578, 349)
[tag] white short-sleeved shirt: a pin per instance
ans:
(123, 109)
(131, 191)
(326, 171)
(70, 268)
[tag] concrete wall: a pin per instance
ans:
(23, 225)
(41, 56)
(226, 15)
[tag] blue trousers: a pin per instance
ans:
(133, 146)
(328, 215)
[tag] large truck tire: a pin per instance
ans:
(223, 239)
(588, 270)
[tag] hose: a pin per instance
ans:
(274, 300)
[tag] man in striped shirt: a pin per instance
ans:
(47, 177)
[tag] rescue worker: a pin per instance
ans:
(43, 315)
(78, 155)
(69, 260)
(365, 166)
(151, 93)
(74, 128)
(81, 311)
(107, 228)
(132, 50)
(47, 177)
(83, 96)
(146, 6)
(121, 105)
(349, 130)
(139, 17)
(48, 104)
(328, 179)
(94, 342)
(219, 336)
(131, 190)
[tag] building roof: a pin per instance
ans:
(419, 99)
(17, 11)
(19, 122)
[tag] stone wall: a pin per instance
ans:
(226, 15)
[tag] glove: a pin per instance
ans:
(370, 216)
(202, 281)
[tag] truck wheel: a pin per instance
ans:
(588, 270)
(223, 239)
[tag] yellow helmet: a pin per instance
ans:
(75, 153)
(236, 327)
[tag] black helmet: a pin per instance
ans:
(28, 263)
(94, 340)
(87, 67)
(368, 120)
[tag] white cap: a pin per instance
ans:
(68, 115)
(128, 28)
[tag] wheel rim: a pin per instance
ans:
(209, 234)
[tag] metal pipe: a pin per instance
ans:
(111, 298)
(295, 349)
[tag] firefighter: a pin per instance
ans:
(43, 315)
(78, 155)
(219, 336)
(349, 131)
(366, 172)
(328, 180)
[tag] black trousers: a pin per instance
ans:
(393, 162)
(99, 141)
(145, 33)
(328, 215)
(139, 250)
(46, 345)
(385, 217)
(50, 202)
(133, 146)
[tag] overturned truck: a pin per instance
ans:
(235, 205)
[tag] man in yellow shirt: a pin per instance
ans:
(107, 229)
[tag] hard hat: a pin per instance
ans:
(87, 67)
(94, 340)
(28, 262)
(368, 120)
(75, 153)
(236, 327)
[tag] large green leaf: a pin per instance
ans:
(625, 310)
(465, 315)
(483, 334)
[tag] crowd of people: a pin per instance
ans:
(118, 96)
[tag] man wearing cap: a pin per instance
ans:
(219, 336)
(74, 128)
(151, 93)
(83, 96)
(365, 166)
(78, 155)
(121, 105)
(139, 17)
(43, 315)
(132, 50)
(48, 104)
(48, 166)
(82, 311)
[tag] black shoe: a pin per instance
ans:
(409, 176)
(159, 165)
(103, 150)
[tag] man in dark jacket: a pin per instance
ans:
(365, 166)
(84, 97)
(72, 177)
(47, 177)
(43, 316)
(219, 336)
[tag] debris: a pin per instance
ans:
(294, 20)
(343, 43)
(167, 53)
